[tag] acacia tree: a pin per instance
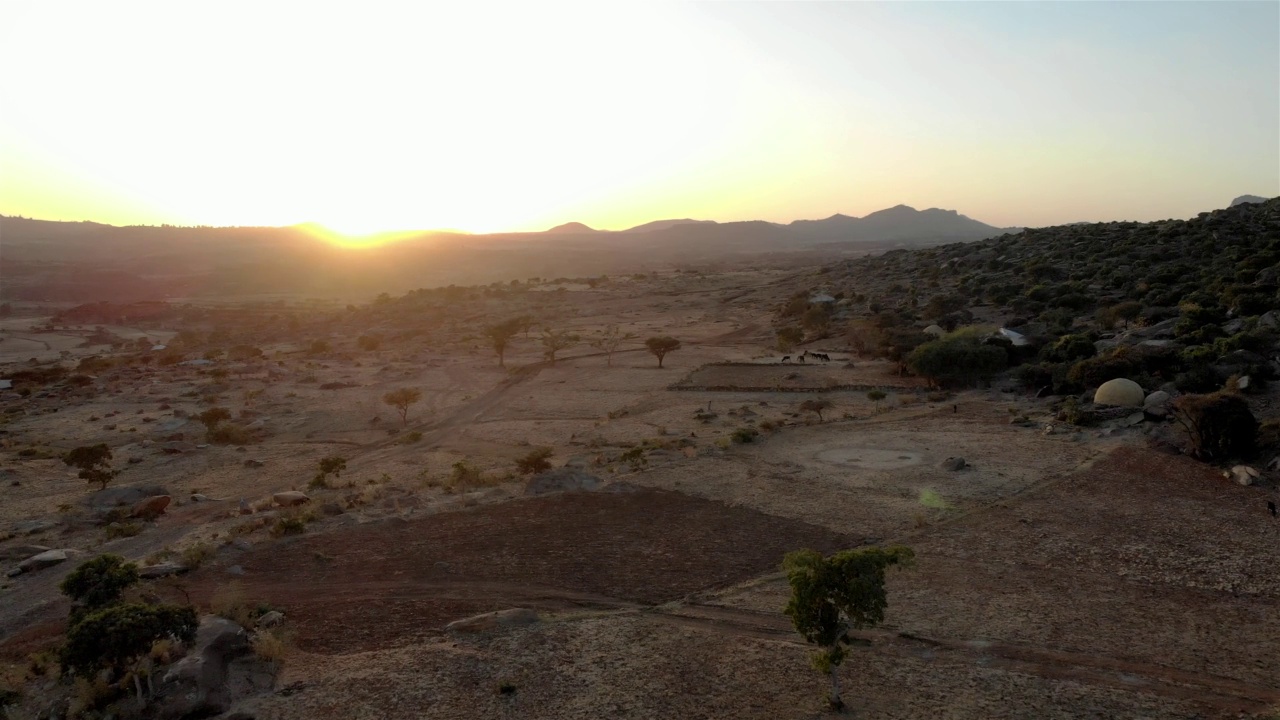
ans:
(660, 346)
(554, 341)
(816, 406)
(500, 335)
(610, 340)
(105, 633)
(94, 463)
(97, 583)
(537, 461)
(876, 396)
(832, 595)
(401, 400)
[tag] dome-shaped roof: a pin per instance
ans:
(1120, 391)
(935, 330)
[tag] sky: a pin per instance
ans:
(491, 117)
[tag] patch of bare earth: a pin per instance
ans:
(386, 584)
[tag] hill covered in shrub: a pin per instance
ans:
(1187, 301)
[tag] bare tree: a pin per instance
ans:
(610, 340)
(554, 341)
(401, 400)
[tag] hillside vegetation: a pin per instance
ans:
(1191, 302)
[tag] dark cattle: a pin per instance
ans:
(1272, 507)
(786, 358)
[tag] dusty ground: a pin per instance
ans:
(1059, 575)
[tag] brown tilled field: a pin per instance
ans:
(385, 584)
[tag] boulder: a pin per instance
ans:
(124, 495)
(176, 447)
(1243, 475)
(954, 463)
(43, 560)
(515, 617)
(31, 527)
(1157, 401)
(270, 619)
(1120, 392)
(199, 684)
(290, 498)
(563, 479)
(159, 570)
(151, 507)
(22, 552)
(251, 463)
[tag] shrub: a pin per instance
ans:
(268, 646)
(288, 525)
(197, 554)
(1218, 426)
(1069, 348)
(958, 358)
(535, 462)
(744, 435)
(231, 434)
(122, 530)
(99, 582)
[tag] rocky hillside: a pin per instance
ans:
(1188, 300)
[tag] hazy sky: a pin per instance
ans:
(509, 116)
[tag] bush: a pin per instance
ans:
(99, 582)
(959, 358)
(1218, 426)
(535, 462)
(744, 435)
(193, 556)
(231, 434)
(1069, 348)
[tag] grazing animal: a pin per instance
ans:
(1272, 507)
(824, 357)
(786, 358)
(801, 359)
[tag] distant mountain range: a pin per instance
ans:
(900, 223)
(85, 261)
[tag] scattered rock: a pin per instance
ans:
(31, 527)
(331, 508)
(251, 463)
(124, 495)
(43, 560)
(151, 507)
(563, 479)
(22, 552)
(176, 447)
(954, 463)
(235, 570)
(215, 674)
(270, 619)
(290, 498)
(159, 570)
(1133, 419)
(515, 617)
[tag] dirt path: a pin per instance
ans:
(1223, 695)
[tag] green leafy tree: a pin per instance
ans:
(538, 460)
(94, 463)
(876, 396)
(99, 582)
(401, 400)
(789, 337)
(553, 341)
(609, 341)
(660, 346)
(332, 465)
(958, 358)
(118, 636)
(832, 595)
(499, 335)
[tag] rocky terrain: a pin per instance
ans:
(568, 530)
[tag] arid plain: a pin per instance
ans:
(1062, 572)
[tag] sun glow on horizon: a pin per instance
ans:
(521, 117)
